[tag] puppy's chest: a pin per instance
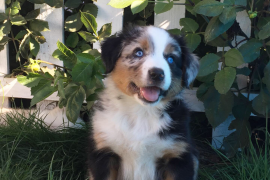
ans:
(135, 139)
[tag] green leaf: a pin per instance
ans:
(138, 5)
(18, 20)
(208, 64)
(3, 17)
(217, 106)
(85, 58)
(193, 40)
(21, 34)
(91, 8)
(239, 138)
(2, 47)
(92, 97)
(66, 55)
(82, 72)
(34, 47)
(189, 25)
(5, 28)
(73, 3)
(29, 81)
(264, 32)
(162, 7)
(55, 3)
(202, 90)
(105, 31)
(262, 21)
(7, 2)
(89, 22)
(233, 58)
(261, 103)
(16, 5)
(224, 79)
(88, 37)
(208, 78)
(40, 39)
(245, 71)
(72, 40)
(250, 50)
(219, 42)
(216, 28)
(38, 25)
(73, 23)
(74, 104)
(175, 31)
(229, 2)
(24, 46)
(120, 3)
(42, 94)
(32, 15)
(12, 11)
(266, 78)
(41, 85)
(190, 8)
(228, 14)
(4, 40)
(241, 2)
(209, 8)
(61, 91)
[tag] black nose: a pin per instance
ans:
(156, 74)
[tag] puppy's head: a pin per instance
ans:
(148, 63)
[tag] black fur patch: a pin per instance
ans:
(112, 46)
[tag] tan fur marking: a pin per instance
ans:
(168, 176)
(122, 75)
(113, 172)
(99, 140)
(175, 152)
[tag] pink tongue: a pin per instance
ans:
(150, 93)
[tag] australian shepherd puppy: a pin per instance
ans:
(140, 126)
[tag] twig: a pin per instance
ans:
(240, 42)
(53, 64)
(251, 79)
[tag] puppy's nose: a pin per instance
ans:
(156, 74)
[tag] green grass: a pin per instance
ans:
(29, 149)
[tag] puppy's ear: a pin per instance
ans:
(190, 63)
(110, 51)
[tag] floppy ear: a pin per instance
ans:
(110, 52)
(190, 63)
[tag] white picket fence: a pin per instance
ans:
(106, 14)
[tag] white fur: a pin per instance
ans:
(156, 60)
(130, 130)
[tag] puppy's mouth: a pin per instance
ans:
(148, 94)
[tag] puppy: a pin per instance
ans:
(140, 126)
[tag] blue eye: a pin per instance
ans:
(170, 60)
(139, 53)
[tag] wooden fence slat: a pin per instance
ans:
(55, 18)
(170, 19)
(4, 64)
(108, 14)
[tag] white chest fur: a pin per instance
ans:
(131, 131)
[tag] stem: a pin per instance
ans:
(264, 11)
(13, 40)
(251, 80)
(2, 105)
(53, 64)
(240, 42)
(266, 142)
(173, 3)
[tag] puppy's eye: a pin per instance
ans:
(139, 53)
(170, 59)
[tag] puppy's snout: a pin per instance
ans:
(156, 74)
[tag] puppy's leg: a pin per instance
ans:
(183, 168)
(103, 165)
